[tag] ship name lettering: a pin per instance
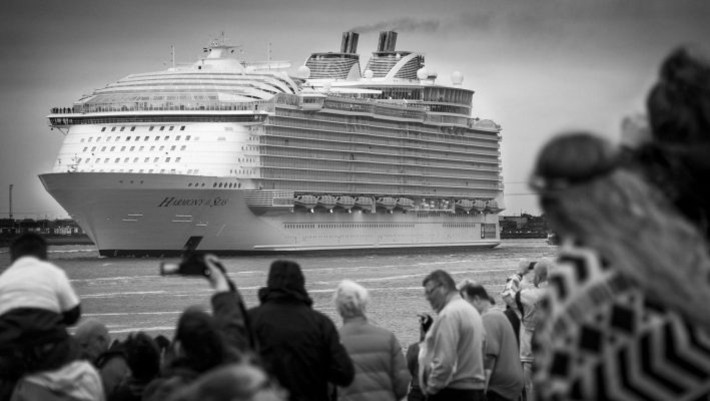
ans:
(169, 201)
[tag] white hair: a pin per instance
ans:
(350, 299)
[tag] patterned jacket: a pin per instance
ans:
(601, 337)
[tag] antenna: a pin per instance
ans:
(10, 201)
(172, 54)
(268, 55)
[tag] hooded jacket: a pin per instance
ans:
(298, 345)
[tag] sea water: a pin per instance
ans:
(129, 295)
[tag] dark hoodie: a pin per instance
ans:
(299, 346)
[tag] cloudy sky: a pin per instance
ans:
(538, 66)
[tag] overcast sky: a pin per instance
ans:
(538, 66)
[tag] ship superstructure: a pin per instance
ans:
(229, 156)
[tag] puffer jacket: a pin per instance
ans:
(75, 381)
(380, 369)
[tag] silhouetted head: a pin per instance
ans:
(142, 356)
(28, 244)
(199, 339)
(679, 103)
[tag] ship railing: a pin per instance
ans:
(267, 106)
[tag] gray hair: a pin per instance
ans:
(350, 299)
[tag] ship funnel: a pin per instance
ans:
(387, 42)
(349, 44)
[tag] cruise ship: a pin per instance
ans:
(230, 156)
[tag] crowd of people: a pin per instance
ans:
(619, 314)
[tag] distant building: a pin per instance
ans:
(523, 226)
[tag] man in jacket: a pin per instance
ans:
(452, 359)
(298, 345)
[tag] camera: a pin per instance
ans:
(191, 265)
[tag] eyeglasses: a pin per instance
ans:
(429, 291)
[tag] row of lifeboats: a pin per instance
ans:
(330, 202)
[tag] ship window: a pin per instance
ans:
(125, 160)
(220, 185)
(173, 147)
(123, 128)
(86, 148)
(112, 148)
(82, 140)
(156, 160)
(183, 147)
(172, 128)
(189, 184)
(91, 138)
(187, 138)
(98, 160)
(146, 138)
(135, 160)
(147, 159)
(152, 148)
(167, 137)
(93, 148)
(118, 159)
(214, 185)
(132, 148)
(103, 129)
(140, 171)
(123, 148)
(182, 128)
(128, 138)
(177, 138)
(137, 138)
(162, 147)
(151, 128)
(157, 138)
(162, 128)
(177, 160)
(103, 149)
(150, 171)
(133, 129)
(117, 138)
(113, 129)
(167, 159)
(140, 149)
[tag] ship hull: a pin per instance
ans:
(151, 214)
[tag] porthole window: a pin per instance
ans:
(123, 128)
(182, 128)
(151, 128)
(103, 129)
(113, 129)
(133, 129)
(162, 128)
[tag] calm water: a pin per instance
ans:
(129, 294)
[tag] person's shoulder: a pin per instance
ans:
(494, 318)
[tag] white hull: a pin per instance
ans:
(149, 214)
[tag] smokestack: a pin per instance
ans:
(387, 42)
(349, 43)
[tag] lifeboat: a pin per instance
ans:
(387, 202)
(327, 201)
(479, 205)
(405, 203)
(464, 204)
(364, 202)
(346, 202)
(307, 201)
(492, 206)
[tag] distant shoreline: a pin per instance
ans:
(5, 240)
